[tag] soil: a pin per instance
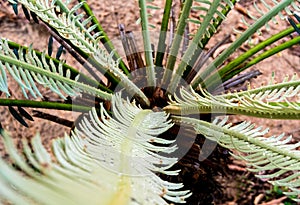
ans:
(238, 185)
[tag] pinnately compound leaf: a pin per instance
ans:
(261, 153)
(270, 101)
(28, 70)
(106, 160)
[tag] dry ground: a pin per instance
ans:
(110, 13)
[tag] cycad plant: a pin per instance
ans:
(126, 146)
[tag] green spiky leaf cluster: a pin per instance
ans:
(115, 153)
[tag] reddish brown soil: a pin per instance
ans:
(240, 187)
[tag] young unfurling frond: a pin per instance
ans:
(261, 153)
(107, 160)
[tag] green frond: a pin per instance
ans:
(57, 15)
(223, 11)
(206, 21)
(261, 153)
(124, 80)
(260, 11)
(151, 79)
(272, 101)
(103, 37)
(249, 58)
(161, 45)
(74, 72)
(212, 12)
(44, 104)
(274, 91)
(75, 29)
(280, 6)
(27, 69)
(107, 160)
(150, 7)
(185, 11)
